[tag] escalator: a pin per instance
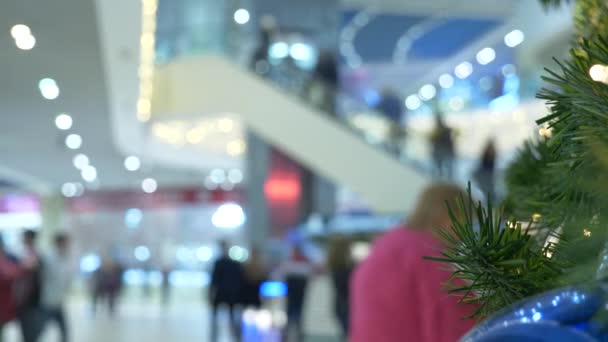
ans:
(191, 87)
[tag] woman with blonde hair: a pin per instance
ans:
(396, 294)
(340, 265)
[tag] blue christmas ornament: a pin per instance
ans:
(568, 314)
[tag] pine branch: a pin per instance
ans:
(494, 266)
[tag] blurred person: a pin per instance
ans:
(56, 282)
(107, 285)
(146, 285)
(323, 85)
(28, 290)
(260, 57)
(391, 106)
(396, 294)
(485, 172)
(165, 286)
(340, 265)
(224, 289)
(296, 271)
(9, 273)
(443, 149)
(254, 274)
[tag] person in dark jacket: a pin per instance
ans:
(259, 60)
(224, 288)
(391, 106)
(28, 291)
(340, 265)
(296, 270)
(323, 86)
(443, 149)
(484, 175)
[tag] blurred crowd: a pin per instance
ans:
(321, 88)
(34, 286)
(392, 293)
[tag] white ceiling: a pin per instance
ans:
(32, 153)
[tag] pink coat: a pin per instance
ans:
(397, 296)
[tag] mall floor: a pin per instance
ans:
(185, 320)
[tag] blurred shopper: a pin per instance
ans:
(260, 59)
(391, 106)
(397, 295)
(56, 281)
(253, 276)
(323, 85)
(107, 285)
(226, 283)
(146, 285)
(340, 264)
(28, 290)
(9, 272)
(485, 172)
(165, 286)
(296, 271)
(443, 149)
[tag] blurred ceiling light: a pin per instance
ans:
(279, 50)
(141, 253)
(150, 7)
(427, 92)
(235, 176)
(90, 263)
(63, 121)
(218, 176)
(73, 141)
(204, 253)
(456, 103)
(228, 216)
(48, 88)
(238, 253)
(26, 42)
(80, 161)
(68, 189)
(225, 125)
(210, 184)
(463, 70)
(412, 102)
(144, 106)
(486, 55)
(301, 52)
(514, 38)
(147, 41)
(508, 70)
(195, 136)
(89, 173)
(132, 163)
(446, 81)
(146, 63)
(149, 185)
(19, 31)
(241, 16)
(133, 217)
(236, 147)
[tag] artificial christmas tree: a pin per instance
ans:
(541, 271)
